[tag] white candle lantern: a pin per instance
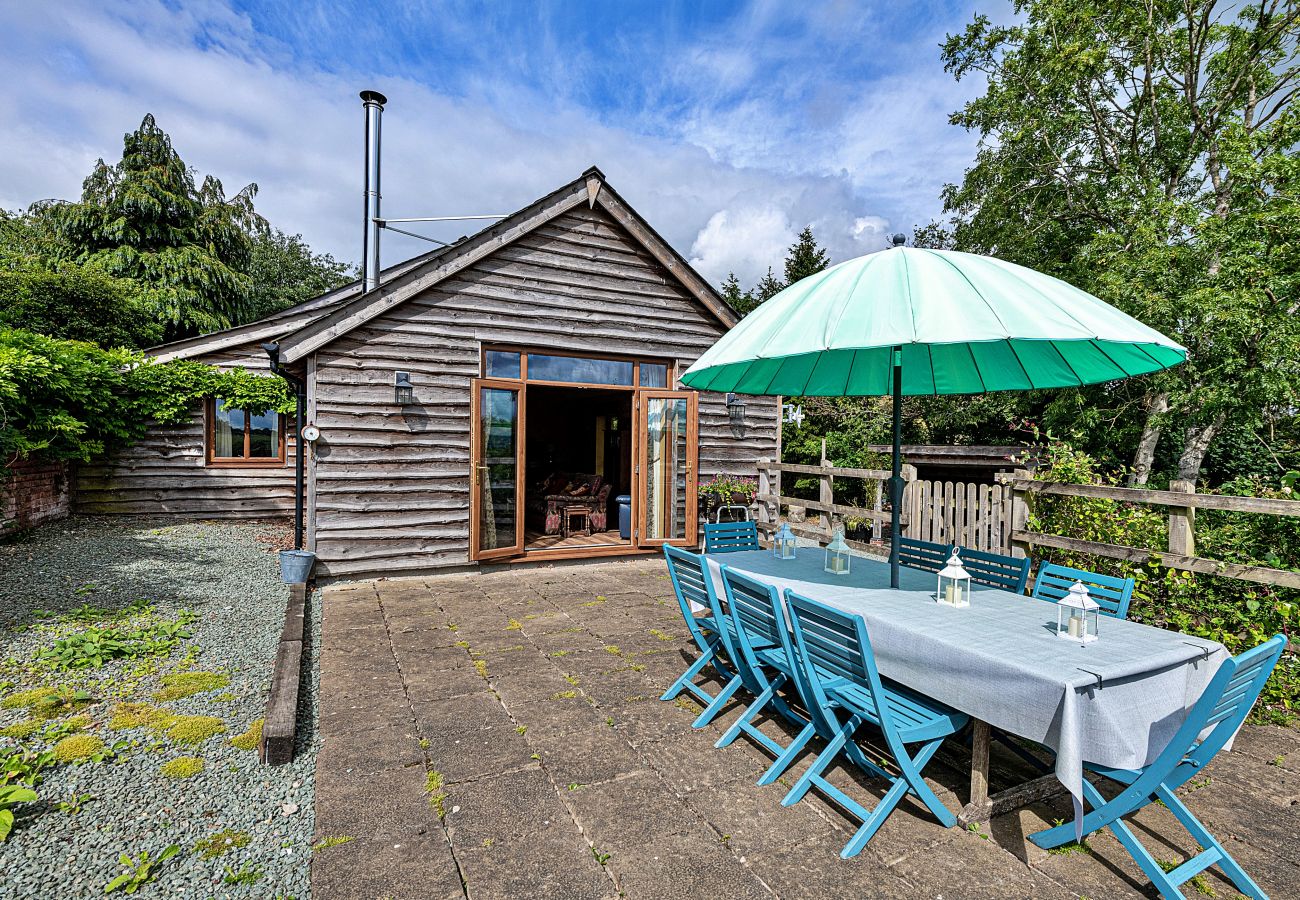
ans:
(783, 542)
(954, 583)
(837, 553)
(1077, 615)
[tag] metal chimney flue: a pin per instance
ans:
(373, 101)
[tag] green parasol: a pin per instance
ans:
(913, 321)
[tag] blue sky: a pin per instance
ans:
(730, 126)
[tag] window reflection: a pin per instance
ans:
(579, 370)
(653, 375)
(501, 364)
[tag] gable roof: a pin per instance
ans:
(281, 323)
(347, 312)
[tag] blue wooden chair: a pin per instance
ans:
(845, 692)
(711, 630)
(765, 659)
(924, 555)
(1112, 593)
(730, 537)
(995, 570)
(1222, 708)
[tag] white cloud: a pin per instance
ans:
(728, 177)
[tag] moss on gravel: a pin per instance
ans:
(21, 731)
(186, 684)
(222, 842)
(250, 738)
(182, 767)
(77, 748)
(179, 728)
(46, 702)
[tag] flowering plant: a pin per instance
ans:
(725, 489)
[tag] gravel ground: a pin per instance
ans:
(227, 575)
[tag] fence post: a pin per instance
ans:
(764, 487)
(826, 493)
(1182, 520)
(879, 506)
(1019, 515)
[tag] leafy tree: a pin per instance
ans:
(804, 257)
(80, 303)
(286, 272)
(145, 218)
(1145, 153)
(768, 287)
(933, 236)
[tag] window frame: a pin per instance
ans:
(525, 377)
(239, 462)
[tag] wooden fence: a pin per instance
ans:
(976, 516)
(996, 517)
(770, 499)
(1182, 503)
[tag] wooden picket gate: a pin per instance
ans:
(969, 515)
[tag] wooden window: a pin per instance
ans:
(239, 438)
(561, 367)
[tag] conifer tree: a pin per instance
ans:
(804, 258)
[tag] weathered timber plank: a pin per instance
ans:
(1198, 564)
(1162, 498)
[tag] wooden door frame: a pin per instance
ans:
(475, 464)
(640, 495)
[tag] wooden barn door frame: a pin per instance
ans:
(477, 468)
(641, 475)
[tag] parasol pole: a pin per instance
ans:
(896, 482)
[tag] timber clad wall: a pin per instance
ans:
(391, 484)
(165, 473)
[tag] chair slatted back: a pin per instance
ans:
(996, 570)
(924, 555)
(1112, 593)
(691, 583)
(834, 644)
(1222, 708)
(755, 608)
(730, 537)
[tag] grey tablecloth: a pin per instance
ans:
(1116, 701)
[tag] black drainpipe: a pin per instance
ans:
(299, 451)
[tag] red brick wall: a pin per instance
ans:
(34, 493)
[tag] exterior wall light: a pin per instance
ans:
(735, 411)
(403, 390)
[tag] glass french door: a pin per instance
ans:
(496, 476)
(666, 448)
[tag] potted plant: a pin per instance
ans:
(725, 490)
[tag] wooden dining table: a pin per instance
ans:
(1116, 701)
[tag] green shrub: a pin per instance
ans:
(1237, 614)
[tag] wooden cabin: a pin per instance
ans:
(512, 396)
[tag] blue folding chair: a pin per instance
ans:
(1223, 706)
(730, 537)
(1113, 594)
(765, 657)
(711, 630)
(844, 692)
(924, 555)
(995, 570)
